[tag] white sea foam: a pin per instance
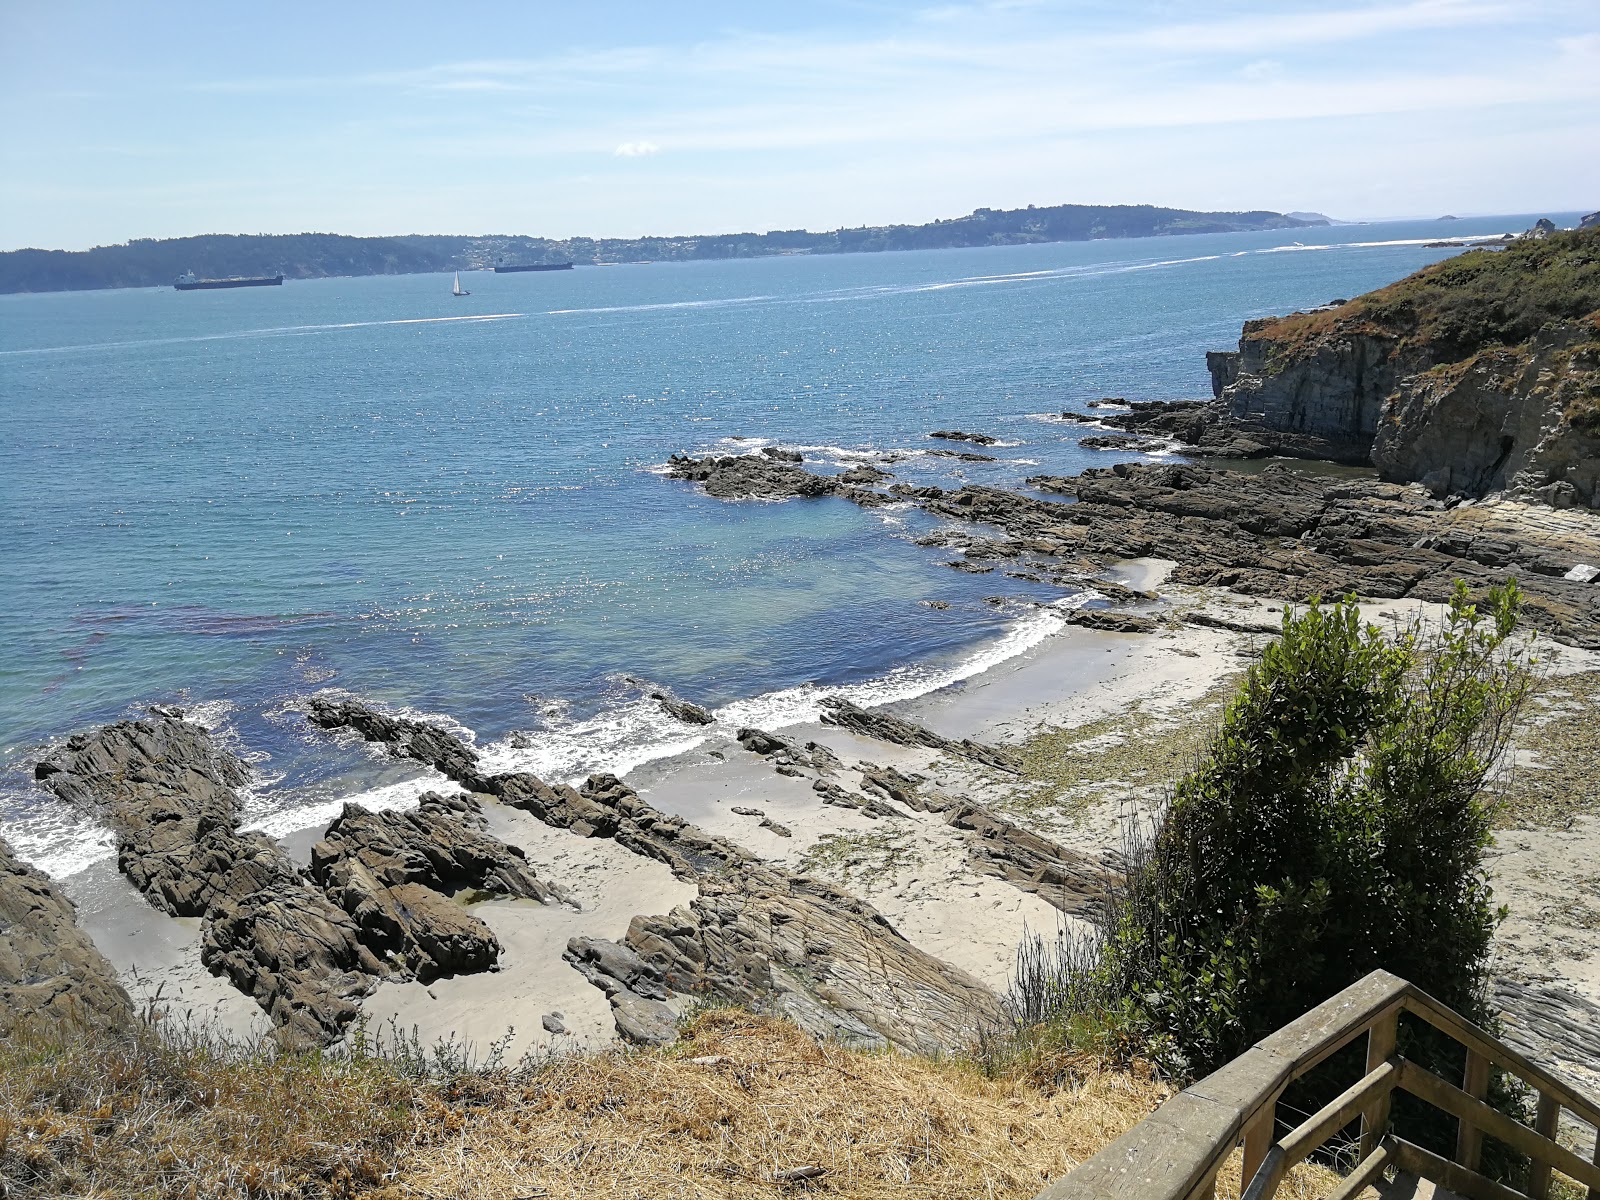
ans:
(387, 798)
(724, 302)
(616, 740)
(59, 840)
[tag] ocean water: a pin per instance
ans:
(230, 500)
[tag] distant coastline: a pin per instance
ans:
(152, 262)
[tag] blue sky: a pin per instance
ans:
(160, 119)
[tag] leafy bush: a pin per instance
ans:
(1335, 824)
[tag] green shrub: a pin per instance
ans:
(1335, 824)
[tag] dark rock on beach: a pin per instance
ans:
(51, 974)
(888, 728)
(169, 794)
(395, 874)
(683, 710)
(755, 934)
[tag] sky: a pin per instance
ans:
(122, 120)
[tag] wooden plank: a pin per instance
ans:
(1469, 1138)
(1319, 1127)
(1470, 1110)
(1501, 1055)
(1381, 1039)
(1545, 1124)
(1413, 1158)
(1258, 1136)
(1164, 1157)
(1333, 1024)
(1366, 1171)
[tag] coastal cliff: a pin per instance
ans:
(1475, 375)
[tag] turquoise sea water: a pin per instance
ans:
(231, 499)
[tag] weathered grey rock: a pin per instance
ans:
(780, 455)
(553, 1023)
(1074, 882)
(759, 477)
(51, 974)
(1552, 1025)
(756, 933)
(888, 728)
(1110, 621)
(395, 874)
(168, 793)
(1522, 419)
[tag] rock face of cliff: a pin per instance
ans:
(1519, 419)
(1474, 375)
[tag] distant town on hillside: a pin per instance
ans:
(150, 262)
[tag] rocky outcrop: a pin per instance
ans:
(1523, 420)
(169, 794)
(1458, 376)
(1075, 883)
(760, 477)
(378, 899)
(957, 435)
(395, 873)
(875, 723)
(1197, 424)
(756, 934)
(683, 710)
(51, 974)
(1293, 535)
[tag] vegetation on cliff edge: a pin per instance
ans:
(1448, 311)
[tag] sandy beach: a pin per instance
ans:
(1098, 702)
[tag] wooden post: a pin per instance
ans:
(1475, 1083)
(1544, 1124)
(1258, 1133)
(1380, 1048)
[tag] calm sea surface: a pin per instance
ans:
(228, 500)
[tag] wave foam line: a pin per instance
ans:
(275, 331)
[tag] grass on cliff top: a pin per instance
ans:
(737, 1103)
(1460, 305)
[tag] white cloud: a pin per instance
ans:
(636, 150)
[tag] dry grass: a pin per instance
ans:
(1564, 738)
(743, 1099)
(140, 1115)
(739, 1108)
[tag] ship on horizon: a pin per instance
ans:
(188, 283)
(514, 267)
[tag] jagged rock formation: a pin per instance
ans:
(757, 476)
(1278, 532)
(683, 710)
(51, 974)
(1075, 883)
(168, 793)
(1549, 1024)
(304, 954)
(756, 934)
(395, 874)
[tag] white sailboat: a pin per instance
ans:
(457, 290)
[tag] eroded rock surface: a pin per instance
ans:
(395, 873)
(51, 974)
(169, 794)
(889, 728)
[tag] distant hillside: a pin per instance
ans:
(149, 262)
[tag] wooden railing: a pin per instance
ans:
(1177, 1151)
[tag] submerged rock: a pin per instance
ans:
(956, 435)
(51, 974)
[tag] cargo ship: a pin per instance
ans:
(566, 266)
(188, 283)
